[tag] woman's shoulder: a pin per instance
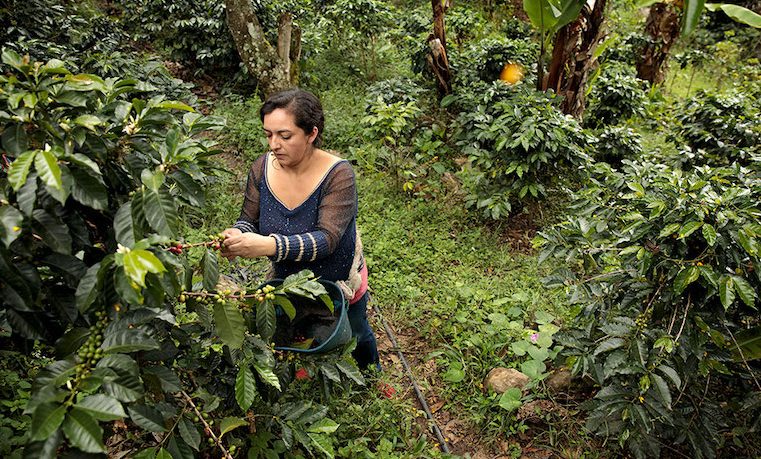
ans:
(257, 167)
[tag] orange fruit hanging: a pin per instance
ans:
(511, 73)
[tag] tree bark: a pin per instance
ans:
(573, 57)
(662, 27)
(438, 43)
(263, 60)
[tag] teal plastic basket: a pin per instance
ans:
(341, 333)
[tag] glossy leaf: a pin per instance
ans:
(83, 431)
(89, 190)
(230, 423)
(749, 342)
(53, 231)
(745, 291)
(102, 407)
(124, 232)
(46, 420)
(691, 15)
(189, 433)
(726, 291)
(160, 211)
(245, 388)
(351, 371)
(129, 340)
(685, 277)
(265, 319)
(286, 305)
(10, 224)
(268, 376)
(229, 323)
(19, 169)
(48, 169)
(210, 266)
(147, 417)
(137, 263)
(510, 400)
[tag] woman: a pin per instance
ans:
(300, 209)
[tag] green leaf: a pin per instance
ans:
(709, 234)
(268, 376)
(84, 432)
(685, 277)
(102, 407)
(510, 400)
(266, 319)
(210, 267)
(54, 232)
(286, 305)
(609, 344)
(123, 229)
(737, 13)
(87, 290)
(137, 263)
(46, 419)
(147, 417)
(324, 425)
(88, 189)
(229, 424)
(191, 190)
(726, 291)
(351, 371)
(128, 340)
(689, 228)
(160, 211)
(323, 443)
(454, 373)
(11, 220)
(176, 105)
(19, 169)
(27, 195)
(331, 372)
(691, 15)
(672, 374)
(48, 169)
(47, 449)
(746, 292)
(668, 230)
(662, 389)
(169, 381)
(189, 433)
(749, 342)
(88, 121)
(245, 388)
(126, 387)
(230, 325)
(163, 454)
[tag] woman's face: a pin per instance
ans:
(288, 142)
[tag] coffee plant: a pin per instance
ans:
(518, 142)
(485, 59)
(664, 275)
(720, 129)
(616, 96)
(93, 183)
(616, 143)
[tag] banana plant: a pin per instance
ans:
(548, 16)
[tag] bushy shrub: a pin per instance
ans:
(518, 142)
(192, 32)
(664, 276)
(93, 183)
(485, 59)
(616, 96)
(399, 89)
(720, 128)
(624, 50)
(616, 143)
(463, 24)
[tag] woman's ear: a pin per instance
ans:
(313, 135)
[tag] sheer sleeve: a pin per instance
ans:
(337, 208)
(248, 222)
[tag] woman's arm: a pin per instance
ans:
(248, 221)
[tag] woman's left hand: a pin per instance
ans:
(248, 245)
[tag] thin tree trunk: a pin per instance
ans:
(573, 57)
(284, 29)
(662, 27)
(438, 42)
(295, 55)
(259, 56)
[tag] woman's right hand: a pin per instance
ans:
(230, 232)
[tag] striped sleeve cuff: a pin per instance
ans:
(246, 227)
(300, 247)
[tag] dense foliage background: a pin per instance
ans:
(614, 241)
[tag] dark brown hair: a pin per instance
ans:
(303, 105)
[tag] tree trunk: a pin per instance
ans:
(662, 28)
(270, 65)
(573, 57)
(438, 43)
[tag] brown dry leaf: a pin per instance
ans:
(437, 406)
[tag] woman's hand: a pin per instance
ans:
(247, 245)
